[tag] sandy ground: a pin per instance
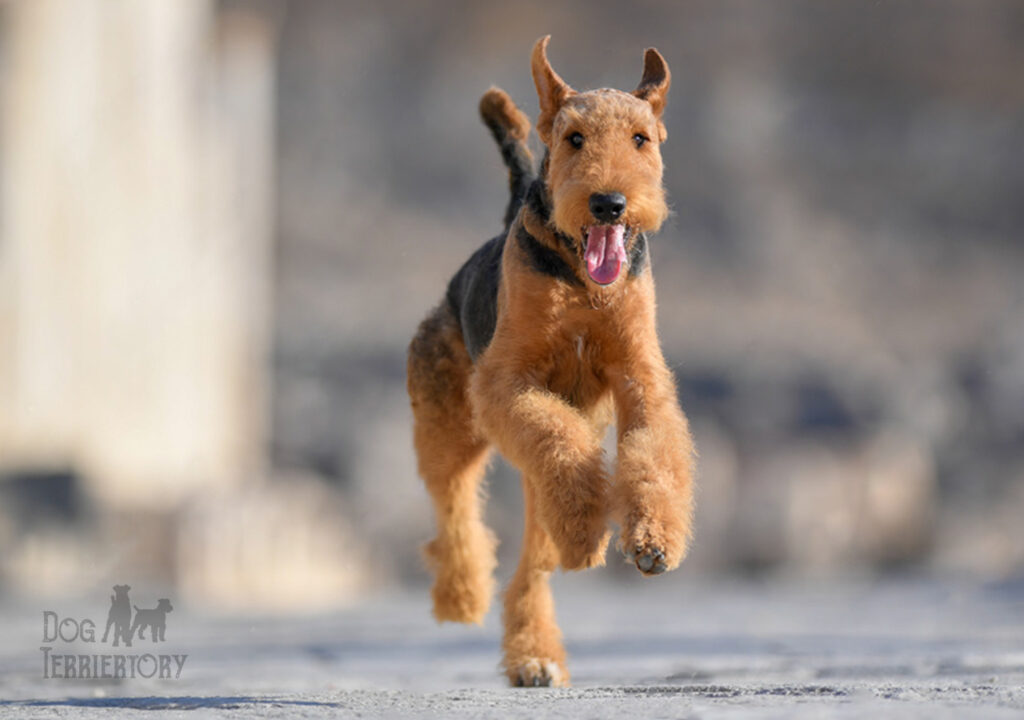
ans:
(674, 647)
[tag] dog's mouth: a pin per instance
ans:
(605, 252)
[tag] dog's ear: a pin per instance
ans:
(654, 86)
(552, 90)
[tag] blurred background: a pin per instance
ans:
(221, 221)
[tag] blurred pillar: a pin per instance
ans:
(135, 231)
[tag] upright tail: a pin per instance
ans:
(510, 128)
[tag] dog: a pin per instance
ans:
(153, 618)
(119, 616)
(545, 335)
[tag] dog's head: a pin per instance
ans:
(164, 604)
(121, 590)
(604, 168)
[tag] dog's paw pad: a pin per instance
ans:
(538, 672)
(650, 560)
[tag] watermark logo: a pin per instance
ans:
(122, 627)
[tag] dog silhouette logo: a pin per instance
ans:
(125, 628)
(64, 636)
(120, 616)
(153, 618)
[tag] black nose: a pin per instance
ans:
(607, 207)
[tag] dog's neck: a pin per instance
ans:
(536, 218)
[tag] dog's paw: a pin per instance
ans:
(463, 575)
(650, 560)
(538, 672)
(652, 548)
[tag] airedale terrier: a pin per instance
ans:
(153, 618)
(546, 335)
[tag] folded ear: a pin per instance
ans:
(552, 90)
(654, 85)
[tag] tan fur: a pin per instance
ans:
(496, 103)
(563, 362)
(452, 458)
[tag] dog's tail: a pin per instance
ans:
(510, 128)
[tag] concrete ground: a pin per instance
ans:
(674, 647)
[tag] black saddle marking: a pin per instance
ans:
(473, 295)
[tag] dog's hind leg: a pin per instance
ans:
(534, 655)
(452, 458)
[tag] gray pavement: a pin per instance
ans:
(674, 647)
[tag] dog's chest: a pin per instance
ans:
(574, 371)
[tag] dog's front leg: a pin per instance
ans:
(652, 494)
(553, 444)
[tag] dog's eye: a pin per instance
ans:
(576, 140)
(639, 140)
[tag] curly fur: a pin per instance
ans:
(556, 357)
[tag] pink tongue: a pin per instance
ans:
(606, 252)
